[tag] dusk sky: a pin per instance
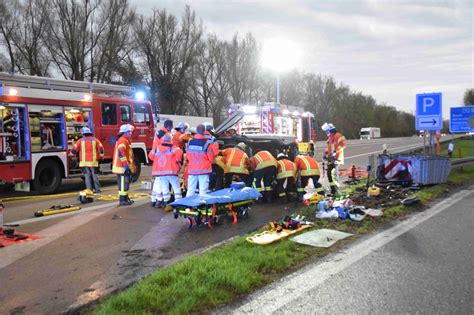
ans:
(391, 50)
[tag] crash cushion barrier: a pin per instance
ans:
(424, 170)
(19, 237)
(237, 192)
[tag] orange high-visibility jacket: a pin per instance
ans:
(286, 169)
(237, 161)
(199, 156)
(166, 159)
(123, 155)
(158, 139)
(90, 150)
(220, 161)
(262, 159)
(179, 139)
(306, 165)
(337, 143)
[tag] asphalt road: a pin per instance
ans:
(424, 265)
(86, 254)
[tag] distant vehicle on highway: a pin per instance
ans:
(369, 133)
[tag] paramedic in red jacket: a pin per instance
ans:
(167, 160)
(199, 159)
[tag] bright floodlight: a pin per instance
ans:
(139, 96)
(280, 54)
(249, 109)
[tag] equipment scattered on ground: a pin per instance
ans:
(12, 237)
(208, 209)
(320, 238)
(56, 209)
(86, 196)
(373, 191)
(279, 230)
(410, 200)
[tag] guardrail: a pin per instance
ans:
(462, 162)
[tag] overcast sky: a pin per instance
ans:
(391, 50)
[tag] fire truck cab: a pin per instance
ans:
(41, 118)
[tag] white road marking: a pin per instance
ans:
(12, 253)
(380, 151)
(284, 291)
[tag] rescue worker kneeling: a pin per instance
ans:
(237, 163)
(123, 164)
(264, 167)
(167, 160)
(286, 173)
(199, 159)
(308, 168)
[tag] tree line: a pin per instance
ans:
(185, 69)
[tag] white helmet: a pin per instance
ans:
(126, 128)
(327, 127)
(182, 125)
(85, 130)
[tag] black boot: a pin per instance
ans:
(153, 204)
(124, 201)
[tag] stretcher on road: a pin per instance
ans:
(210, 208)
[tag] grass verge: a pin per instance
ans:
(227, 272)
(464, 144)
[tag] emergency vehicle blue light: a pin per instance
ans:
(139, 96)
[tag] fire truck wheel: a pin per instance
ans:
(138, 166)
(47, 177)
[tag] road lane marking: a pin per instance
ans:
(290, 288)
(379, 151)
(11, 254)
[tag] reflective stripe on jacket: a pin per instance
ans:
(212, 143)
(237, 161)
(123, 155)
(220, 161)
(337, 143)
(199, 156)
(90, 149)
(166, 159)
(306, 165)
(286, 169)
(262, 159)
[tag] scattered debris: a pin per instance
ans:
(116, 217)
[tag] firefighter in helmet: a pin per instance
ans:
(264, 167)
(90, 150)
(123, 164)
(334, 154)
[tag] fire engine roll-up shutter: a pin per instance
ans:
(229, 122)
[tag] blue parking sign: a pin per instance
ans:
(429, 111)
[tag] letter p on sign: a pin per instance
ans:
(427, 102)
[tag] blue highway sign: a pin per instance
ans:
(429, 111)
(462, 119)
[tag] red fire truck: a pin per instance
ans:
(41, 118)
(281, 120)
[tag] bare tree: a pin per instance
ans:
(114, 45)
(242, 69)
(169, 50)
(71, 36)
(208, 85)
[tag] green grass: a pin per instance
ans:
(466, 146)
(225, 273)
